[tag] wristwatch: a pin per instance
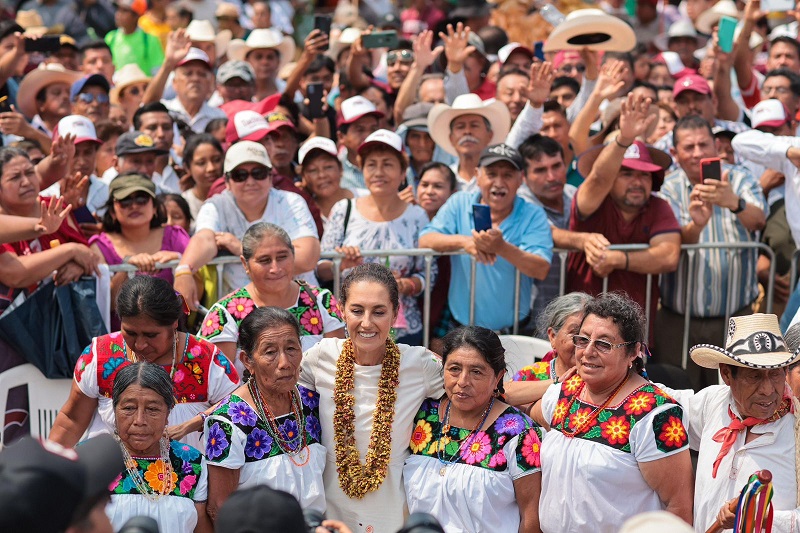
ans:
(740, 207)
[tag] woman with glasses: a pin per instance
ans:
(134, 231)
(616, 444)
(224, 218)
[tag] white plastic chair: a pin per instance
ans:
(522, 351)
(45, 397)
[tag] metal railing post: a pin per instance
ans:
(426, 302)
(517, 280)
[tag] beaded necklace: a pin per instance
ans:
(131, 356)
(132, 467)
(594, 414)
(295, 446)
(553, 374)
(468, 439)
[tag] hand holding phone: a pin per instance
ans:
(482, 217)
(711, 169)
(725, 33)
(323, 24)
(44, 44)
(380, 39)
(316, 94)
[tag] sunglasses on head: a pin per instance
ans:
(88, 98)
(138, 199)
(241, 175)
(404, 56)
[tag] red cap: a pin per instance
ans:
(694, 83)
(277, 120)
(264, 106)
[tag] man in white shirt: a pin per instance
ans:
(745, 425)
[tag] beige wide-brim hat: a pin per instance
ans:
(262, 38)
(202, 31)
(128, 75)
(346, 38)
(593, 29)
(39, 78)
(753, 341)
(723, 8)
(442, 115)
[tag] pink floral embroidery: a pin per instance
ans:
(187, 483)
(115, 483)
(498, 459)
(180, 375)
(240, 307)
(312, 321)
(530, 448)
(211, 324)
(476, 449)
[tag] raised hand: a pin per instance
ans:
(62, 151)
(315, 43)
(610, 80)
(424, 54)
(74, 189)
(52, 216)
(635, 118)
(542, 76)
(178, 45)
(592, 62)
(456, 46)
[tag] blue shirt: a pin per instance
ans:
(526, 228)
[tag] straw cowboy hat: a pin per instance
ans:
(680, 28)
(38, 79)
(723, 8)
(753, 341)
(128, 75)
(262, 38)
(202, 31)
(346, 38)
(492, 110)
(591, 28)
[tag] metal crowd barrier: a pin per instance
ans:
(689, 249)
(793, 271)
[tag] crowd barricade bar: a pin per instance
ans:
(429, 255)
(793, 271)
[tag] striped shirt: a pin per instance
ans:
(709, 276)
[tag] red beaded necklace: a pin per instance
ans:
(594, 414)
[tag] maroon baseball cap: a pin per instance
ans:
(276, 120)
(692, 82)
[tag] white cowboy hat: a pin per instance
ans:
(723, 8)
(492, 110)
(680, 28)
(39, 78)
(128, 75)
(263, 38)
(753, 341)
(346, 38)
(202, 31)
(594, 29)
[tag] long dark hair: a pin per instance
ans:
(152, 297)
(111, 224)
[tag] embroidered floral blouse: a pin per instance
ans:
(203, 376)
(238, 438)
(538, 371)
(468, 483)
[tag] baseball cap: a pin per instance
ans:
(235, 69)
(246, 152)
(276, 120)
(195, 54)
(136, 142)
(506, 51)
(384, 137)
(692, 82)
(246, 126)
(32, 472)
(123, 186)
(316, 143)
(639, 156)
(261, 508)
(95, 80)
(415, 116)
(264, 106)
(770, 113)
(80, 126)
(501, 152)
(355, 108)
(137, 6)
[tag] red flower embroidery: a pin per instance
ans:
(572, 384)
(616, 430)
(582, 420)
(560, 412)
(641, 402)
(673, 434)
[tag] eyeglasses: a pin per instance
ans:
(404, 56)
(603, 347)
(241, 175)
(566, 69)
(88, 98)
(775, 90)
(140, 200)
(135, 90)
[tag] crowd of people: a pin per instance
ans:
(620, 179)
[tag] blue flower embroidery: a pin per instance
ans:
(217, 442)
(510, 424)
(309, 398)
(224, 362)
(258, 444)
(184, 451)
(111, 365)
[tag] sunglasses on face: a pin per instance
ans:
(604, 347)
(88, 98)
(140, 200)
(241, 175)
(404, 56)
(566, 69)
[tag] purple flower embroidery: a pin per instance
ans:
(242, 414)
(291, 433)
(309, 398)
(313, 427)
(217, 442)
(510, 424)
(258, 444)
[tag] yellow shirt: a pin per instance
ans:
(155, 28)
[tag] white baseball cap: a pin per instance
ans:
(246, 125)
(356, 107)
(195, 54)
(317, 143)
(80, 126)
(504, 53)
(384, 137)
(245, 152)
(770, 113)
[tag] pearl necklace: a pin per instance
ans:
(133, 358)
(132, 467)
(295, 446)
(468, 439)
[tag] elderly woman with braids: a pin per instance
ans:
(475, 463)
(617, 445)
(153, 326)
(370, 390)
(164, 479)
(267, 432)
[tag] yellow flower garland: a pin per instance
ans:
(355, 479)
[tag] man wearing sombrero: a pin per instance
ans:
(615, 201)
(747, 424)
